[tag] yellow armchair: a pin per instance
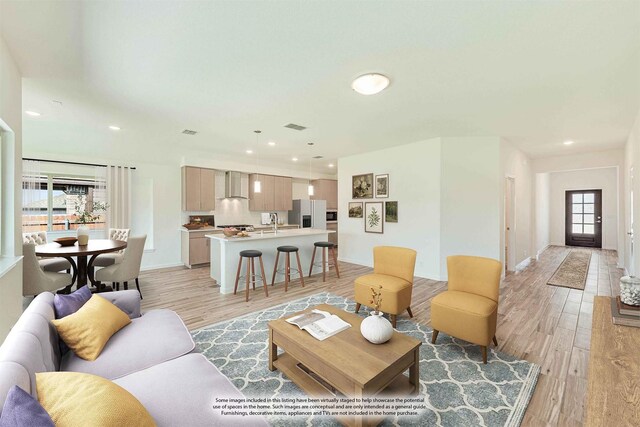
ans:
(393, 269)
(468, 309)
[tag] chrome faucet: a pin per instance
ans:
(274, 221)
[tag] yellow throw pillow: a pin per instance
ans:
(87, 331)
(75, 399)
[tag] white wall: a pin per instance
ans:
(542, 212)
(472, 199)
(11, 117)
(605, 179)
(517, 165)
(632, 160)
(414, 182)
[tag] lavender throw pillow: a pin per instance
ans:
(21, 409)
(65, 305)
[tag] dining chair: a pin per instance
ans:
(47, 264)
(126, 270)
(105, 260)
(35, 280)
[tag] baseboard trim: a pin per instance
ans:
(523, 264)
(542, 250)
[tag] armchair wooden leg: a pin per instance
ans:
(357, 307)
(410, 313)
(495, 341)
(434, 336)
(393, 320)
(484, 354)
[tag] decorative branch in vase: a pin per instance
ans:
(86, 213)
(375, 328)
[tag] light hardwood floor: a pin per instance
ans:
(547, 325)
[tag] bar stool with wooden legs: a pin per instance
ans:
(250, 272)
(287, 250)
(324, 247)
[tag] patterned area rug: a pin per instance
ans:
(573, 271)
(456, 387)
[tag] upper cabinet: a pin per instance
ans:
(198, 189)
(275, 193)
(326, 189)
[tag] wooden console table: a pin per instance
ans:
(613, 396)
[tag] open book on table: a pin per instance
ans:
(320, 324)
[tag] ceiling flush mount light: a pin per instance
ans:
(112, 127)
(33, 113)
(331, 165)
(568, 142)
(370, 84)
(271, 143)
(249, 151)
(294, 159)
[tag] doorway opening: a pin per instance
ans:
(583, 218)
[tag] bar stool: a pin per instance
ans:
(250, 275)
(324, 246)
(287, 250)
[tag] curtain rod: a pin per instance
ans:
(69, 163)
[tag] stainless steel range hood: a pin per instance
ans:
(236, 185)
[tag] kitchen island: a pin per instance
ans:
(225, 254)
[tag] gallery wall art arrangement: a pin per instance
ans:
(375, 214)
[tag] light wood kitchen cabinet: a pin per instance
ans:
(283, 197)
(196, 248)
(326, 189)
(275, 195)
(198, 189)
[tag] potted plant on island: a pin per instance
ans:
(375, 328)
(87, 213)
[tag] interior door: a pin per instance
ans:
(583, 218)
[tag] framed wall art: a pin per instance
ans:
(355, 209)
(382, 186)
(391, 212)
(362, 186)
(373, 220)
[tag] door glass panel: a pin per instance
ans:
(588, 229)
(589, 198)
(576, 228)
(588, 219)
(588, 208)
(577, 208)
(577, 219)
(577, 198)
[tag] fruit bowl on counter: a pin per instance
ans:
(230, 232)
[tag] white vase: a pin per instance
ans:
(376, 329)
(83, 235)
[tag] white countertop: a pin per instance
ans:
(300, 232)
(219, 230)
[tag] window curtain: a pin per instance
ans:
(34, 199)
(118, 181)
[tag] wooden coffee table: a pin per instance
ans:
(345, 362)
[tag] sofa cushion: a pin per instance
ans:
(156, 337)
(12, 374)
(22, 409)
(182, 392)
(89, 329)
(465, 303)
(74, 399)
(65, 305)
(396, 292)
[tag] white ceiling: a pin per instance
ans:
(536, 73)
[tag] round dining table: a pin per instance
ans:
(86, 255)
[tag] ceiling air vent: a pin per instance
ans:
(295, 126)
(318, 157)
(189, 132)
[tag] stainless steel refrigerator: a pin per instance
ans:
(309, 214)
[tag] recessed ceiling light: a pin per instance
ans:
(271, 143)
(330, 165)
(370, 84)
(249, 151)
(112, 127)
(33, 113)
(568, 142)
(294, 159)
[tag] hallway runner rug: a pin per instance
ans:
(457, 388)
(573, 271)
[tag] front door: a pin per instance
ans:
(583, 222)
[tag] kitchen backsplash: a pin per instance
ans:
(233, 211)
